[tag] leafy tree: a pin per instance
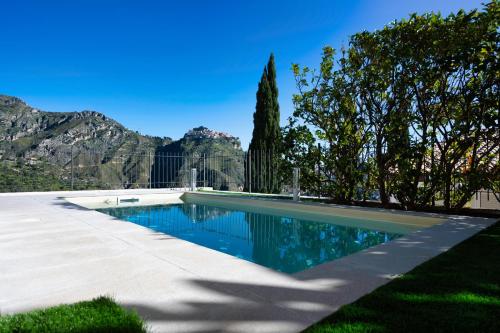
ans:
(383, 96)
(300, 150)
(468, 133)
(326, 105)
(414, 106)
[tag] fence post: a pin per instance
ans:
(72, 181)
(249, 171)
(193, 179)
(319, 170)
(296, 185)
(204, 170)
(150, 166)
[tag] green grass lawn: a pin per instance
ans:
(99, 315)
(458, 291)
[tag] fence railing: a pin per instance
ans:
(252, 171)
(81, 170)
(485, 199)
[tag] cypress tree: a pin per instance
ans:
(274, 117)
(266, 136)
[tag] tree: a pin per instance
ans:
(431, 91)
(326, 105)
(383, 97)
(414, 105)
(468, 135)
(265, 146)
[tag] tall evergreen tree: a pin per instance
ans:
(266, 138)
(274, 135)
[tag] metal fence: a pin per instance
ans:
(81, 170)
(485, 199)
(218, 171)
(252, 171)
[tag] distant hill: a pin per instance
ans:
(217, 156)
(40, 150)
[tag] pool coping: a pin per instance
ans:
(180, 286)
(413, 220)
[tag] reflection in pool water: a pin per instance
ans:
(282, 243)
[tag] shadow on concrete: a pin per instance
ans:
(244, 304)
(61, 202)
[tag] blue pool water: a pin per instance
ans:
(282, 243)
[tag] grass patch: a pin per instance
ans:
(98, 315)
(457, 291)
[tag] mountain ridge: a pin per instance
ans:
(18, 120)
(29, 135)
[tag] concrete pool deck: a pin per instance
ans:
(53, 252)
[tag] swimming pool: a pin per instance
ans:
(278, 241)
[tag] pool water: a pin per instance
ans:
(282, 243)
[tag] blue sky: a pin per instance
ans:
(162, 67)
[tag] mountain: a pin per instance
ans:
(217, 156)
(87, 149)
(31, 133)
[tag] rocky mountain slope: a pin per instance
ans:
(31, 133)
(89, 149)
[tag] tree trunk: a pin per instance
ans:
(381, 173)
(447, 188)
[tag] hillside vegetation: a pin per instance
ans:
(42, 151)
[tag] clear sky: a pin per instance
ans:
(163, 67)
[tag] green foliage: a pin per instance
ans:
(412, 108)
(458, 291)
(326, 102)
(20, 177)
(99, 315)
(265, 145)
